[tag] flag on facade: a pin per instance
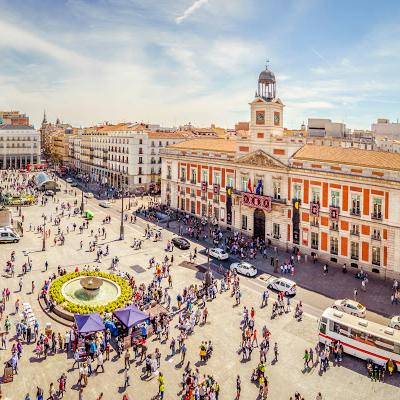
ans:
(249, 189)
(259, 187)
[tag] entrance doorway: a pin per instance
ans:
(259, 224)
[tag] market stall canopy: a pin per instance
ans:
(157, 310)
(131, 316)
(88, 323)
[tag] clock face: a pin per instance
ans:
(260, 118)
(277, 118)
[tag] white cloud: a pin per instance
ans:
(17, 38)
(191, 10)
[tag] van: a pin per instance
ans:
(7, 235)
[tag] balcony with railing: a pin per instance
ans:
(334, 227)
(193, 195)
(376, 237)
(334, 251)
(354, 232)
(314, 223)
(354, 256)
(183, 178)
(355, 212)
(314, 246)
(376, 216)
(193, 181)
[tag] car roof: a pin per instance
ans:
(286, 281)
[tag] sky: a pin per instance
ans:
(177, 61)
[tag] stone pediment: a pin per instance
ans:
(260, 158)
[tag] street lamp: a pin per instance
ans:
(82, 205)
(121, 229)
(44, 232)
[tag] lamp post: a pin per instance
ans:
(121, 228)
(44, 233)
(82, 205)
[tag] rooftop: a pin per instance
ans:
(16, 127)
(209, 144)
(350, 156)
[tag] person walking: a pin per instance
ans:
(126, 377)
(183, 352)
(355, 293)
(238, 387)
(100, 362)
(127, 358)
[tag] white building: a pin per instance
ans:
(325, 128)
(19, 146)
(121, 155)
(384, 128)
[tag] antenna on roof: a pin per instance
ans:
(266, 63)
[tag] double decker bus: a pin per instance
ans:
(360, 338)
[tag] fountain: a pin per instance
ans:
(91, 291)
(91, 285)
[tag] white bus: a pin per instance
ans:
(359, 337)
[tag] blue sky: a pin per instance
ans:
(175, 61)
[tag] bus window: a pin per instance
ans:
(322, 325)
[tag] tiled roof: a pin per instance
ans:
(16, 127)
(209, 144)
(166, 135)
(350, 156)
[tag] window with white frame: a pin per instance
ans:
(230, 180)
(217, 178)
(244, 183)
(276, 231)
(377, 207)
(297, 191)
(335, 198)
(277, 189)
(355, 204)
(376, 255)
(315, 194)
(244, 221)
(204, 175)
(314, 240)
(334, 245)
(354, 250)
(193, 176)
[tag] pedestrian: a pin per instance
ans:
(325, 269)
(355, 293)
(183, 352)
(276, 353)
(100, 362)
(126, 377)
(238, 387)
(127, 358)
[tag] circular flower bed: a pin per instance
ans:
(56, 293)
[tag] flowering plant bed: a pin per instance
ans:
(56, 294)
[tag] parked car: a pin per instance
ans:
(284, 285)
(49, 193)
(69, 180)
(244, 268)
(395, 322)
(350, 307)
(89, 195)
(74, 184)
(105, 204)
(181, 243)
(7, 235)
(218, 253)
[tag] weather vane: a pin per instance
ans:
(266, 64)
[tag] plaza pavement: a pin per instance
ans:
(285, 377)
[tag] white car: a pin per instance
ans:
(395, 322)
(219, 254)
(284, 285)
(105, 204)
(89, 195)
(350, 307)
(69, 180)
(244, 268)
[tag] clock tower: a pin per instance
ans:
(266, 109)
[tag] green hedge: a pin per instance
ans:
(123, 298)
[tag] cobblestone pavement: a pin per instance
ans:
(285, 377)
